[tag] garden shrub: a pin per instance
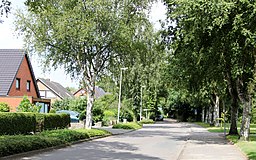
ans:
(56, 121)
(4, 107)
(109, 115)
(131, 125)
(22, 143)
(147, 121)
(17, 123)
(26, 106)
(49, 121)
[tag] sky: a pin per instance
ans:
(10, 40)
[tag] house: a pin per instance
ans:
(17, 80)
(99, 92)
(52, 90)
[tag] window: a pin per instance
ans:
(17, 83)
(28, 85)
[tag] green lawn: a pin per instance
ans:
(249, 148)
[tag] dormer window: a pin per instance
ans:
(18, 83)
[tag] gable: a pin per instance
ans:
(24, 73)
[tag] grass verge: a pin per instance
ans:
(249, 148)
(14, 144)
(130, 125)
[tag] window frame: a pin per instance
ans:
(28, 85)
(17, 83)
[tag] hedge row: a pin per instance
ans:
(17, 123)
(10, 145)
(130, 125)
(51, 121)
(25, 123)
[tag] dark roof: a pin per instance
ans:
(56, 88)
(99, 92)
(10, 61)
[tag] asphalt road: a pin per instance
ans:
(162, 141)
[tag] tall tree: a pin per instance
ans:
(84, 36)
(215, 40)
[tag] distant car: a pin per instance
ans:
(74, 115)
(159, 118)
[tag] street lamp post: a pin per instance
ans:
(141, 89)
(119, 99)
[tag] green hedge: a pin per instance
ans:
(17, 123)
(147, 121)
(10, 145)
(49, 121)
(131, 125)
(24, 123)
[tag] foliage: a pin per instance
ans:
(74, 104)
(4, 8)
(55, 121)
(130, 125)
(213, 49)
(147, 121)
(4, 107)
(17, 123)
(20, 143)
(52, 110)
(26, 106)
(94, 34)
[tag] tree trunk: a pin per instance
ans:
(210, 115)
(216, 111)
(203, 118)
(90, 82)
(234, 104)
(245, 126)
(246, 100)
(206, 120)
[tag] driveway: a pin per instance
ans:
(162, 141)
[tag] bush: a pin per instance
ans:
(131, 125)
(22, 143)
(52, 110)
(4, 107)
(49, 121)
(147, 121)
(56, 121)
(26, 106)
(109, 115)
(17, 123)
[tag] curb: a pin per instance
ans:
(33, 152)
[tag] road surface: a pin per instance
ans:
(162, 141)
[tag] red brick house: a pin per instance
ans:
(17, 80)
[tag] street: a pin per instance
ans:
(162, 141)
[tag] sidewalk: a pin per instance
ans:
(203, 145)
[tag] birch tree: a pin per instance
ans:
(83, 36)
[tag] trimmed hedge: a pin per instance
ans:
(25, 123)
(17, 123)
(147, 121)
(131, 125)
(50, 121)
(56, 121)
(10, 145)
